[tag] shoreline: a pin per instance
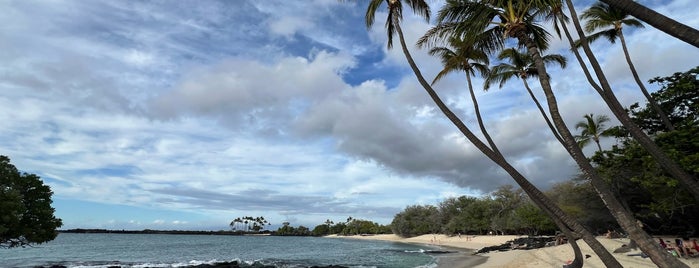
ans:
(555, 256)
(465, 246)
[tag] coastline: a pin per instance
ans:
(555, 256)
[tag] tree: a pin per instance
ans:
(521, 65)
(604, 89)
(592, 129)
(25, 201)
(679, 94)
(469, 59)
(625, 219)
(601, 16)
(395, 11)
(659, 200)
(657, 20)
(518, 19)
(416, 220)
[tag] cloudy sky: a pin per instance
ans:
(187, 114)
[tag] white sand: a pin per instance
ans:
(544, 257)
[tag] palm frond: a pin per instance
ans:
(371, 12)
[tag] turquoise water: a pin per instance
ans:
(158, 250)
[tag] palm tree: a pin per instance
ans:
(670, 166)
(499, 19)
(610, 21)
(521, 65)
(559, 217)
(467, 58)
(593, 129)
(657, 20)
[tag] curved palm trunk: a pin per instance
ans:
(543, 113)
(657, 20)
(608, 95)
(653, 103)
(599, 147)
(557, 215)
(623, 216)
(578, 259)
(479, 118)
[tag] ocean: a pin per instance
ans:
(164, 250)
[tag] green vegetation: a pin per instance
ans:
(249, 224)
(350, 227)
(490, 25)
(505, 211)
(26, 215)
(658, 199)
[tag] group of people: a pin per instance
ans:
(682, 247)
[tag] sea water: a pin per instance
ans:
(164, 250)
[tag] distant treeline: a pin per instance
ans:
(149, 231)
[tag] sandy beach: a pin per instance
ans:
(554, 256)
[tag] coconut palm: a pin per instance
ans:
(520, 65)
(610, 22)
(604, 89)
(657, 20)
(592, 129)
(468, 59)
(500, 19)
(465, 57)
(558, 216)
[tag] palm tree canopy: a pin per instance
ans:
(463, 57)
(395, 13)
(593, 128)
(490, 22)
(609, 20)
(518, 64)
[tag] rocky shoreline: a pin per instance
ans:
(232, 264)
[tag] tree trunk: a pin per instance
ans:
(657, 20)
(537, 196)
(479, 118)
(541, 110)
(608, 95)
(651, 101)
(623, 217)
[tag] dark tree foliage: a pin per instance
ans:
(657, 199)
(416, 220)
(26, 215)
(577, 198)
(679, 95)
(505, 211)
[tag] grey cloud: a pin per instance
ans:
(266, 200)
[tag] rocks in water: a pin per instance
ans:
(520, 243)
(232, 264)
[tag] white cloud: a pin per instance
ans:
(205, 109)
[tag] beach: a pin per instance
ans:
(554, 256)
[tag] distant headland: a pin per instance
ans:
(149, 231)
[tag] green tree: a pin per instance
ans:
(416, 220)
(531, 220)
(25, 201)
(518, 19)
(679, 94)
(658, 199)
(604, 89)
(395, 11)
(610, 22)
(520, 65)
(592, 129)
(505, 201)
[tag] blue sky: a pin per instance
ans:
(187, 114)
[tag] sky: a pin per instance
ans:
(188, 114)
